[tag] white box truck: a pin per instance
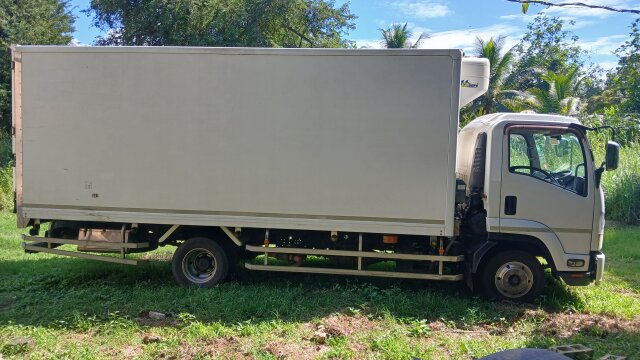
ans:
(352, 156)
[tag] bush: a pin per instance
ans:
(6, 173)
(622, 188)
(6, 188)
(5, 150)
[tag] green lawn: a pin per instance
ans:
(73, 308)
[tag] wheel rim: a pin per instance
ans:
(514, 279)
(199, 265)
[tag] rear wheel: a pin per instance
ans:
(513, 275)
(200, 262)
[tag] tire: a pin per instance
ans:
(512, 275)
(200, 262)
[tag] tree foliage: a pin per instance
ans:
(559, 96)
(500, 62)
(627, 77)
(255, 23)
(546, 46)
(618, 104)
(28, 22)
(397, 36)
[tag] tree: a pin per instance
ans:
(619, 103)
(558, 96)
(627, 77)
(595, 88)
(546, 46)
(257, 23)
(28, 22)
(397, 37)
(500, 64)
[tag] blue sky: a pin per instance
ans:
(456, 23)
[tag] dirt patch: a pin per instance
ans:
(150, 338)
(231, 347)
(437, 325)
(564, 325)
(629, 292)
(226, 347)
(343, 325)
(129, 352)
(293, 350)
(119, 352)
(473, 331)
(513, 310)
(147, 318)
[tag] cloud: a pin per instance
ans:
(604, 45)
(417, 30)
(465, 38)
(411, 26)
(422, 9)
(455, 39)
(368, 43)
(577, 23)
(608, 65)
(76, 42)
(528, 18)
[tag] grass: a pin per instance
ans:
(74, 308)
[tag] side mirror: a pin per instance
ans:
(612, 156)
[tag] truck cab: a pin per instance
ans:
(539, 187)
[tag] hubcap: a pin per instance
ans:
(513, 279)
(199, 265)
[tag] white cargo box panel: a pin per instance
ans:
(320, 139)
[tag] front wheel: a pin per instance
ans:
(513, 275)
(199, 262)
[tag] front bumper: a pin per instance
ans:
(581, 278)
(598, 259)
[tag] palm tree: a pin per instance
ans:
(499, 65)
(560, 97)
(397, 37)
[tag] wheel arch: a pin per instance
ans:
(213, 233)
(499, 242)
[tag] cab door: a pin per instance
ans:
(546, 186)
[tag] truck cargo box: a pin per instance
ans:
(317, 139)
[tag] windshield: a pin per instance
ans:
(552, 155)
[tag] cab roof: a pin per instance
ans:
(491, 120)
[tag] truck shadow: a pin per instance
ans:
(55, 291)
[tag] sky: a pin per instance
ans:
(456, 23)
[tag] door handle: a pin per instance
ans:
(510, 205)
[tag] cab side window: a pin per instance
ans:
(554, 156)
